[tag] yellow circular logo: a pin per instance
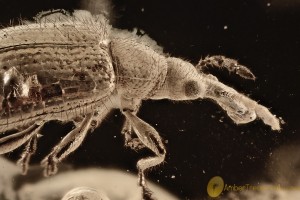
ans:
(215, 186)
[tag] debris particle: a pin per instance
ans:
(281, 120)
(142, 31)
(225, 27)
(173, 176)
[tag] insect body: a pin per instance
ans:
(79, 68)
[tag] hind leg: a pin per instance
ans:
(29, 136)
(12, 142)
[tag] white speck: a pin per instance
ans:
(116, 115)
(25, 90)
(166, 141)
(143, 9)
(268, 4)
(105, 42)
(203, 171)
(155, 124)
(127, 170)
(115, 136)
(6, 77)
(221, 120)
(157, 180)
(281, 120)
(173, 176)
(225, 27)
(181, 130)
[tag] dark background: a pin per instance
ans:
(202, 141)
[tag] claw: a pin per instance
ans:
(50, 165)
(29, 150)
(147, 194)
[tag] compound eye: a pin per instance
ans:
(191, 89)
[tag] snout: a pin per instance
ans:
(242, 117)
(239, 113)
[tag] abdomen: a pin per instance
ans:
(56, 70)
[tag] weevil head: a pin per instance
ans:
(182, 82)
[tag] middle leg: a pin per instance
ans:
(73, 139)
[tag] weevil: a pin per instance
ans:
(76, 67)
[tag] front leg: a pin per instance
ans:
(150, 138)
